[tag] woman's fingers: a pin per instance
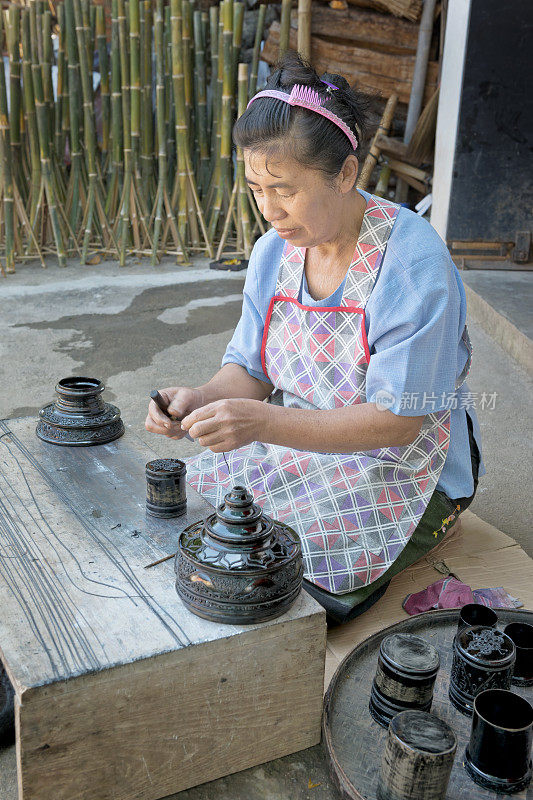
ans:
(162, 425)
(214, 440)
(160, 419)
(204, 427)
(199, 415)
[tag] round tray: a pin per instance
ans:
(354, 743)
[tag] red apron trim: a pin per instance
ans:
(349, 309)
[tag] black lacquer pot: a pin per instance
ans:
(483, 658)
(498, 756)
(239, 566)
(79, 417)
(405, 676)
(166, 493)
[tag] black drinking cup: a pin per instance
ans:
(418, 758)
(166, 493)
(498, 756)
(476, 614)
(522, 635)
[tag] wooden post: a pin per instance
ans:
(285, 27)
(419, 81)
(304, 29)
(375, 150)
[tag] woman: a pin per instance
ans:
(353, 326)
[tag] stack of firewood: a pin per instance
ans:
(374, 51)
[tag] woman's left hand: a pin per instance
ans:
(226, 424)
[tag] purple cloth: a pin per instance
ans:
(446, 593)
(452, 593)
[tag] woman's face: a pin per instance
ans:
(302, 204)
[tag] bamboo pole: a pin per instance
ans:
(7, 175)
(147, 138)
(162, 202)
(76, 187)
(238, 22)
(201, 102)
(105, 94)
(61, 105)
(374, 152)
(257, 50)
(285, 27)
(95, 201)
(135, 82)
(213, 39)
(223, 190)
(31, 121)
(304, 29)
(239, 202)
(114, 189)
(15, 92)
(187, 36)
(48, 190)
(190, 214)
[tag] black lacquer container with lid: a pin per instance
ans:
(238, 566)
(483, 658)
(405, 676)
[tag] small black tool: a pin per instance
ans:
(162, 404)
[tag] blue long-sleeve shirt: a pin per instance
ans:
(415, 317)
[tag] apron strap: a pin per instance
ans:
(290, 271)
(376, 228)
(466, 369)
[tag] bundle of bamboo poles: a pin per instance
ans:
(115, 140)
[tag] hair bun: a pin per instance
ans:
(336, 80)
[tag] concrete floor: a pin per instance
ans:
(509, 291)
(143, 327)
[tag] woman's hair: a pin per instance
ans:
(271, 125)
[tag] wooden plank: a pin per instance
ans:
(365, 29)
(373, 73)
(74, 540)
(158, 726)
(410, 9)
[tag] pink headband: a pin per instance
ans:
(308, 98)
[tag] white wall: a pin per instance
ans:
(448, 116)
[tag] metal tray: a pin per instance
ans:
(354, 743)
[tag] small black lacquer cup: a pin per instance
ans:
(498, 755)
(166, 492)
(482, 658)
(476, 614)
(418, 758)
(405, 676)
(522, 635)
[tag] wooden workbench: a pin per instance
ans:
(120, 692)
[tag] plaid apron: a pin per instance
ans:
(354, 512)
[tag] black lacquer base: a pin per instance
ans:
(517, 681)
(238, 614)
(77, 434)
(79, 417)
(466, 708)
(500, 785)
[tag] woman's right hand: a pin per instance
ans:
(181, 401)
